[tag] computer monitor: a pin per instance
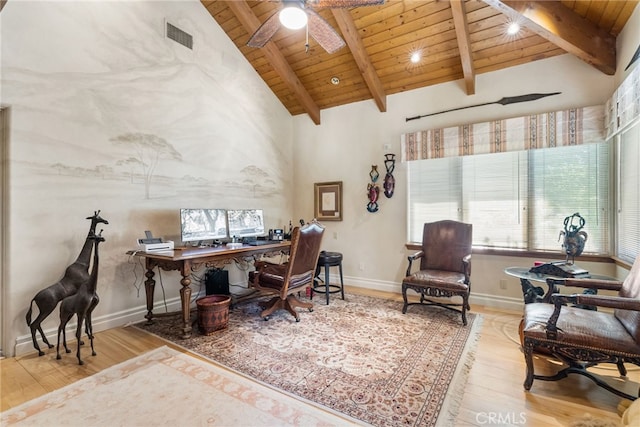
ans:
(198, 225)
(245, 222)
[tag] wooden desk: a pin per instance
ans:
(189, 260)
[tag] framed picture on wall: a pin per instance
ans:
(328, 201)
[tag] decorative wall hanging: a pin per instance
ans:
(504, 101)
(328, 201)
(389, 181)
(373, 190)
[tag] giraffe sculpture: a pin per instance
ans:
(75, 274)
(81, 304)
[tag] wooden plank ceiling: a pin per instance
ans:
(457, 39)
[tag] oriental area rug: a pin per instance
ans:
(168, 388)
(360, 357)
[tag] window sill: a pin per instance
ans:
(530, 254)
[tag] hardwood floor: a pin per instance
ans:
(494, 394)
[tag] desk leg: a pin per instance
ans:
(185, 297)
(149, 287)
(531, 293)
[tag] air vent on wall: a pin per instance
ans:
(177, 35)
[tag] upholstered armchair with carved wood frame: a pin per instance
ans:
(584, 338)
(445, 267)
(283, 280)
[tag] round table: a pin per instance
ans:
(533, 293)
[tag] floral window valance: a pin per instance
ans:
(559, 128)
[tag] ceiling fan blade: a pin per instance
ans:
(265, 31)
(319, 4)
(323, 32)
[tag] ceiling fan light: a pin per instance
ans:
(293, 17)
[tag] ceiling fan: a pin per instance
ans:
(295, 14)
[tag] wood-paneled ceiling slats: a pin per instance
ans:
(386, 35)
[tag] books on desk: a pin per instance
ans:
(560, 269)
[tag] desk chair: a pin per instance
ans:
(283, 280)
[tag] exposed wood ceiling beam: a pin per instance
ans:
(566, 29)
(279, 63)
(353, 40)
(464, 45)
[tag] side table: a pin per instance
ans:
(533, 293)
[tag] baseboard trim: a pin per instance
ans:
(486, 300)
(24, 344)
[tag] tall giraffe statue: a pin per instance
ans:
(75, 275)
(81, 304)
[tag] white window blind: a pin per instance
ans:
(568, 180)
(495, 198)
(515, 199)
(628, 218)
(435, 189)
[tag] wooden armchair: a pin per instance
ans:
(584, 338)
(445, 266)
(282, 280)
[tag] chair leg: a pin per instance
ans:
(528, 358)
(465, 307)
(326, 282)
(290, 304)
(341, 281)
(404, 297)
(271, 306)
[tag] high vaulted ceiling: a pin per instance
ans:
(458, 40)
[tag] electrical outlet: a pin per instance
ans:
(335, 235)
(362, 266)
(503, 284)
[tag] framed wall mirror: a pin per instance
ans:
(328, 201)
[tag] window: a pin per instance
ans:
(517, 199)
(628, 194)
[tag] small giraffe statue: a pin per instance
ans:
(81, 304)
(77, 273)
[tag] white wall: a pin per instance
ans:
(76, 75)
(351, 139)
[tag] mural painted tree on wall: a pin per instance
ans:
(148, 151)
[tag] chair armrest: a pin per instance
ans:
(612, 285)
(412, 258)
(560, 300)
(466, 261)
(609, 301)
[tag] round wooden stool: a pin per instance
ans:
(326, 260)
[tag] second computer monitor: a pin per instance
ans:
(245, 222)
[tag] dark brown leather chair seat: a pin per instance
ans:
(581, 327)
(441, 279)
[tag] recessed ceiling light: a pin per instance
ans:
(415, 57)
(335, 80)
(513, 28)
